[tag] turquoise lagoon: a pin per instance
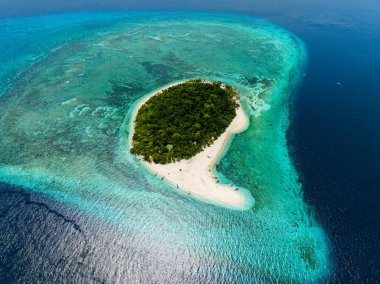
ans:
(69, 85)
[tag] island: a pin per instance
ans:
(180, 132)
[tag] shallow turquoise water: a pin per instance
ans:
(64, 134)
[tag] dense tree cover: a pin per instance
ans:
(180, 121)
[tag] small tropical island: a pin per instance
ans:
(180, 132)
(182, 120)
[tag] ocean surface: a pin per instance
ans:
(75, 205)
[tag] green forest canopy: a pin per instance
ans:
(181, 121)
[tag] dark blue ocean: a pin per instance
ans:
(334, 139)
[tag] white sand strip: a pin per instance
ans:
(195, 176)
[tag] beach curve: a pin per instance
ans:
(195, 176)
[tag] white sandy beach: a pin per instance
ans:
(195, 176)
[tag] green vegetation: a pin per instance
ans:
(182, 120)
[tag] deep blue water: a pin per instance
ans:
(336, 139)
(335, 135)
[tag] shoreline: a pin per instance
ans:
(196, 176)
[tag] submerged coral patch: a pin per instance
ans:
(63, 134)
